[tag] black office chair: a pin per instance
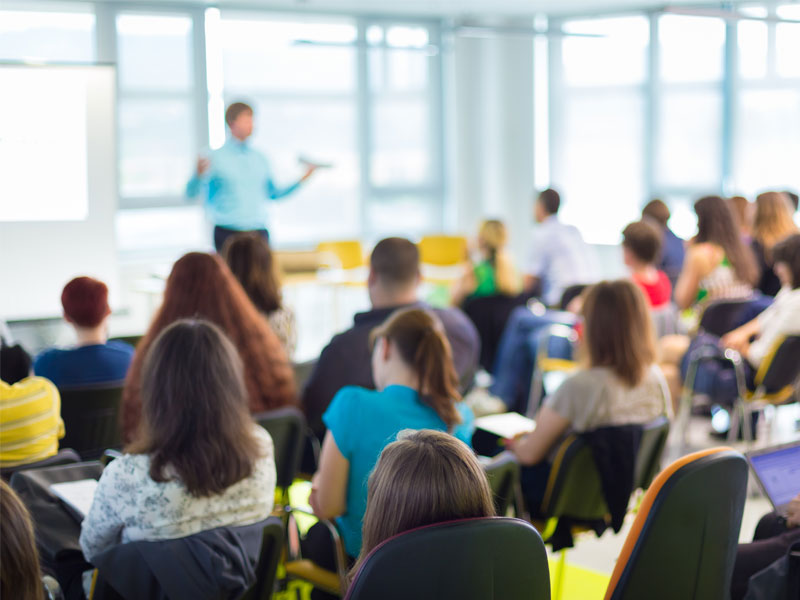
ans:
(267, 567)
(490, 314)
(287, 428)
(721, 316)
(65, 456)
(683, 541)
(91, 418)
(469, 559)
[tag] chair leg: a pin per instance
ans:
(558, 580)
(737, 416)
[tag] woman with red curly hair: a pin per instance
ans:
(201, 286)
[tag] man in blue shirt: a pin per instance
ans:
(237, 180)
(94, 359)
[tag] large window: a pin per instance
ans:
(598, 123)
(66, 35)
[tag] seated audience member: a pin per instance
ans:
(201, 285)
(20, 577)
(416, 388)
(558, 256)
(641, 247)
(772, 539)
(425, 477)
(754, 340)
(743, 215)
(251, 261)
(94, 359)
(30, 421)
(199, 462)
(672, 250)
(620, 385)
(15, 362)
(718, 266)
(394, 277)
(773, 223)
(493, 272)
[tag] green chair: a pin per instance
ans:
(91, 418)
(502, 471)
(651, 447)
(684, 539)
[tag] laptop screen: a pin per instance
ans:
(779, 472)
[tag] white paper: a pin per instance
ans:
(506, 425)
(78, 494)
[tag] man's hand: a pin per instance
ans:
(203, 165)
(793, 512)
(309, 172)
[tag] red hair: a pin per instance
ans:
(85, 301)
(202, 286)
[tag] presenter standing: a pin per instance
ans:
(237, 180)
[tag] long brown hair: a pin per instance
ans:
(20, 577)
(493, 235)
(717, 225)
(618, 330)
(250, 259)
(423, 345)
(425, 477)
(773, 221)
(202, 286)
(194, 410)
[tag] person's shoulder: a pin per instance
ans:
(354, 394)
(30, 386)
(47, 356)
(120, 346)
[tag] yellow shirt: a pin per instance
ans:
(30, 421)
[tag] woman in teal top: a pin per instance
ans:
(416, 389)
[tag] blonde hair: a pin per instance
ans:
(425, 477)
(493, 235)
(618, 330)
(773, 220)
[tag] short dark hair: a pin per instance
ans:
(395, 261)
(85, 301)
(656, 210)
(787, 251)
(550, 200)
(793, 198)
(644, 240)
(196, 422)
(234, 110)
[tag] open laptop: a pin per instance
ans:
(777, 470)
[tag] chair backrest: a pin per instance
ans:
(503, 474)
(574, 488)
(131, 340)
(302, 372)
(486, 558)
(683, 541)
(442, 250)
(651, 446)
(721, 316)
(344, 254)
(286, 427)
(782, 367)
(271, 548)
(91, 418)
(490, 314)
(65, 456)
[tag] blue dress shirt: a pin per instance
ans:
(236, 185)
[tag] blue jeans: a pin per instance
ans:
(516, 355)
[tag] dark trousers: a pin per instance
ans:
(223, 233)
(771, 541)
(318, 547)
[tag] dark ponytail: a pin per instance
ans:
(420, 338)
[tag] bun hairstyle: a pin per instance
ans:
(425, 477)
(421, 341)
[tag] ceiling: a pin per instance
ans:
(449, 8)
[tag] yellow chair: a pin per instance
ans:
(441, 258)
(343, 254)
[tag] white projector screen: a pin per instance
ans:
(58, 189)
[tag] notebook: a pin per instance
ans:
(777, 470)
(77, 496)
(505, 425)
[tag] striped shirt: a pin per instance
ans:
(30, 421)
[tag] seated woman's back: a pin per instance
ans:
(199, 461)
(417, 389)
